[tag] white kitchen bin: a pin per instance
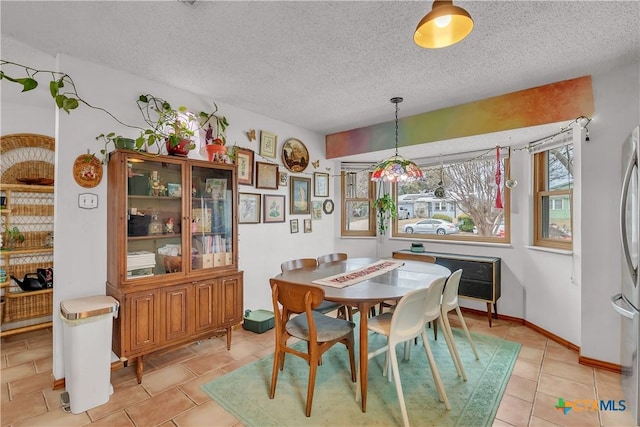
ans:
(87, 328)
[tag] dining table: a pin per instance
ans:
(390, 285)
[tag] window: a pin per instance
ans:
(456, 200)
(553, 191)
(358, 217)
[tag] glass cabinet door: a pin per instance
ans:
(154, 217)
(211, 217)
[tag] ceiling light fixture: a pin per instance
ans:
(396, 168)
(444, 26)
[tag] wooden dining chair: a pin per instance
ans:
(326, 306)
(407, 322)
(320, 331)
(337, 256)
(449, 303)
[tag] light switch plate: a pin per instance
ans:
(88, 201)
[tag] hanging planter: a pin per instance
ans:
(387, 209)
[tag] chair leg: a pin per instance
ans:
(434, 371)
(396, 378)
(466, 331)
(451, 344)
(313, 369)
(274, 374)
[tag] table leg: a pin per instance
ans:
(364, 307)
(489, 312)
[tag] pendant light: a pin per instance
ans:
(444, 26)
(396, 168)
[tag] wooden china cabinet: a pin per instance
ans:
(172, 252)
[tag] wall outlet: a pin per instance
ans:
(87, 201)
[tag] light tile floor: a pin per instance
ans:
(170, 392)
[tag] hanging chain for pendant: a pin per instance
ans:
(396, 101)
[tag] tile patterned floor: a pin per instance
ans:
(170, 394)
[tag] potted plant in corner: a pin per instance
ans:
(215, 146)
(386, 208)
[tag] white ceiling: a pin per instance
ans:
(333, 66)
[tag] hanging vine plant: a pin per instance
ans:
(387, 209)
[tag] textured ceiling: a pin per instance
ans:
(333, 66)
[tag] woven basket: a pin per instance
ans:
(27, 305)
(26, 155)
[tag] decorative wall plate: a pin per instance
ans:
(295, 155)
(327, 206)
(87, 170)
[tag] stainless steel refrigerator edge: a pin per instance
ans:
(627, 303)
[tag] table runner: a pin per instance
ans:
(343, 280)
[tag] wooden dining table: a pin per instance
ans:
(391, 285)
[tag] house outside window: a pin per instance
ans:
(468, 202)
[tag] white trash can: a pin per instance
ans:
(87, 329)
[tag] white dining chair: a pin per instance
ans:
(450, 302)
(408, 321)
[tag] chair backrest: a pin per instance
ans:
(432, 305)
(292, 298)
(338, 256)
(450, 294)
(407, 319)
(299, 263)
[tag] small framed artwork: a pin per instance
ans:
(268, 144)
(320, 184)
(283, 178)
(273, 208)
(316, 210)
(244, 161)
(249, 208)
(216, 188)
(293, 226)
(267, 175)
(299, 195)
(174, 190)
(307, 225)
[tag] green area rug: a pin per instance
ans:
(245, 391)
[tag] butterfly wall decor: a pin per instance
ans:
(316, 164)
(251, 135)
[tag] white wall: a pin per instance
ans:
(81, 235)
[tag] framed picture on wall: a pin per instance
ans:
(293, 226)
(268, 144)
(273, 208)
(320, 184)
(307, 226)
(316, 209)
(244, 161)
(249, 208)
(299, 195)
(267, 175)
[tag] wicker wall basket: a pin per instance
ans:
(26, 156)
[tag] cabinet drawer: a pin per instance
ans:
(470, 269)
(476, 289)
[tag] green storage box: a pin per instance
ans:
(258, 321)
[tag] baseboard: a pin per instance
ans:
(586, 361)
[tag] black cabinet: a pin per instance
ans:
(480, 275)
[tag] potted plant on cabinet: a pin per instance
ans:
(168, 128)
(14, 235)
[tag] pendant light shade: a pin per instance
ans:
(396, 168)
(444, 26)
